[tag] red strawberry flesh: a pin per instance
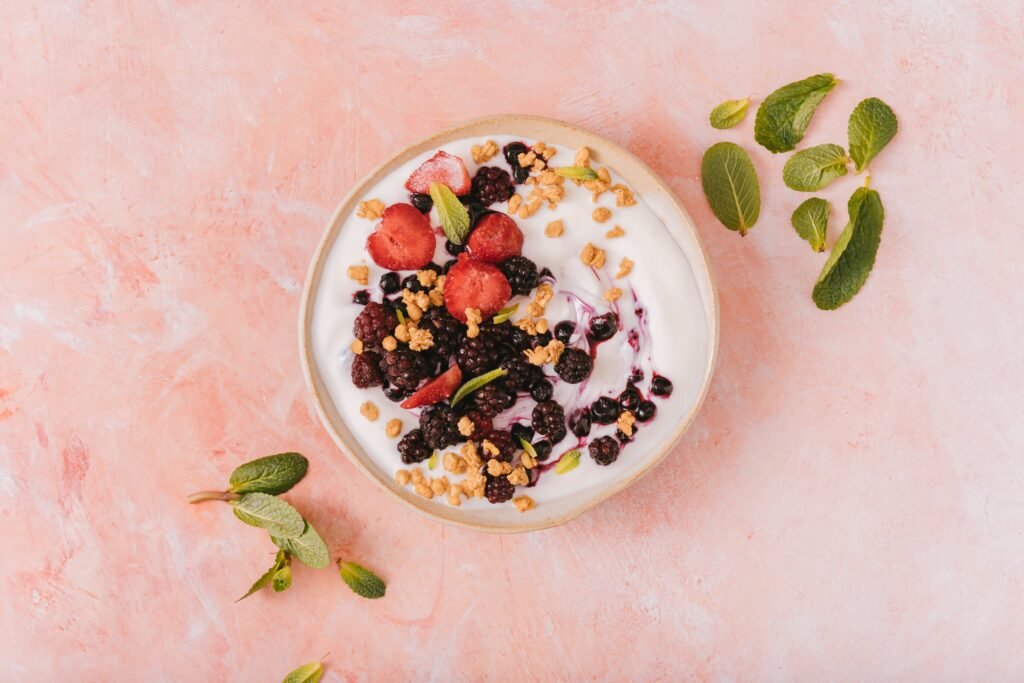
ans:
(441, 168)
(495, 238)
(475, 284)
(403, 240)
(437, 389)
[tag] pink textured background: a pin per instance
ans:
(848, 505)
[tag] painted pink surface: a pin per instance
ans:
(847, 506)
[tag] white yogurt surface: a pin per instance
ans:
(662, 284)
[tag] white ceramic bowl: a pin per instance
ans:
(698, 358)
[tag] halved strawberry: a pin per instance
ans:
(403, 240)
(441, 168)
(495, 239)
(475, 284)
(437, 389)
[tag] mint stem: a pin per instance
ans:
(200, 496)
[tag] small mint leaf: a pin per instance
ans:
(576, 172)
(307, 673)
(282, 579)
(362, 581)
(267, 577)
(453, 215)
(432, 461)
(271, 513)
(813, 168)
(568, 462)
(477, 382)
(528, 447)
(729, 113)
(872, 125)
(810, 220)
(505, 313)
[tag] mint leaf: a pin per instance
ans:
(432, 461)
(282, 579)
(810, 220)
(813, 168)
(528, 447)
(853, 255)
(453, 215)
(307, 673)
(477, 382)
(576, 172)
(729, 113)
(872, 125)
(731, 185)
(309, 547)
(504, 314)
(273, 474)
(362, 581)
(267, 577)
(783, 117)
(568, 462)
(271, 513)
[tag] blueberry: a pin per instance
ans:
(432, 266)
(564, 331)
(362, 297)
(581, 426)
(412, 283)
(395, 394)
(558, 436)
(604, 326)
(630, 398)
(519, 339)
(604, 410)
(511, 152)
(541, 390)
(454, 249)
(661, 386)
(645, 411)
(521, 431)
(390, 282)
(543, 449)
(541, 339)
(423, 202)
(636, 376)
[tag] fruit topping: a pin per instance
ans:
(404, 368)
(475, 284)
(366, 370)
(402, 240)
(441, 168)
(541, 391)
(413, 448)
(439, 425)
(374, 322)
(661, 386)
(495, 238)
(511, 152)
(423, 202)
(390, 282)
(604, 450)
(604, 410)
(438, 389)
(574, 366)
(604, 327)
(492, 185)
(521, 273)
(549, 419)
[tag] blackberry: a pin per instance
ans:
(413, 448)
(404, 368)
(636, 376)
(445, 329)
(439, 426)
(454, 249)
(604, 410)
(511, 152)
(492, 185)
(390, 282)
(503, 441)
(366, 370)
(518, 339)
(549, 419)
(574, 366)
(564, 331)
(423, 202)
(604, 326)
(448, 265)
(521, 273)
(477, 355)
(362, 297)
(412, 283)
(481, 423)
(541, 390)
(543, 449)
(604, 450)
(396, 394)
(521, 431)
(493, 398)
(661, 386)
(374, 322)
(646, 411)
(581, 424)
(522, 374)
(499, 489)
(630, 398)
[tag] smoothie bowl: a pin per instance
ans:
(509, 322)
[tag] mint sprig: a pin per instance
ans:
(279, 561)
(307, 673)
(453, 215)
(783, 117)
(362, 581)
(729, 113)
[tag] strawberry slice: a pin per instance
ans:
(441, 168)
(495, 238)
(437, 389)
(403, 240)
(475, 284)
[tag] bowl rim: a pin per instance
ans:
(496, 123)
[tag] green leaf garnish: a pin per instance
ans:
(528, 447)
(872, 125)
(401, 316)
(810, 220)
(362, 581)
(309, 547)
(505, 313)
(853, 255)
(783, 117)
(273, 474)
(729, 113)
(576, 172)
(268, 576)
(307, 673)
(477, 382)
(453, 215)
(731, 185)
(432, 461)
(813, 168)
(271, 513)
(568, 462)
(282, 579)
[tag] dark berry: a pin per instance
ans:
(543, 449)
(604, 410)
(439, 426)
(491, 399)
(519, 339)
(581, 425)
(549, 419)
(448, 265)
(604, 450)
(447, 332)
(564, 331)
(541, 390)
(413, 448)
(499, 489)
(366, 370)
(492, 185)
(623, 437)
(542, 339)
(362, 297)
(511, 152)
(412, 283)
(390, 282)
(423, 202)
(661, 386)
(645, 411)
(454, 249)
(574, 366)
(395, 394)
(604, 326)
(521, 273)
(477, 355)
(404, 368)
(630, 398)
(521, 431)
(558, 436)
(522, 374)
(481, 423)
(503, 441)
(432, 267)
(636, 376)
(374, 322)
(546, 274)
